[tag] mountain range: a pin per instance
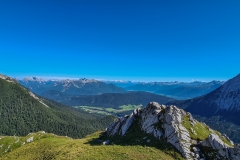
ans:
(177, 90)
(67, 87)
(70, 87)
(85, 92)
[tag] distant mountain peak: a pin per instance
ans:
(34, 79)
(85, 80)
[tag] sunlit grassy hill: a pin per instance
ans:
(47, 146)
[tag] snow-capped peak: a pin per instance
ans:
(84, 80)
(33, 79)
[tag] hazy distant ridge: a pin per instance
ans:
(71, 87)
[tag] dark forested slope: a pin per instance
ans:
(22, 112)
(114, 100)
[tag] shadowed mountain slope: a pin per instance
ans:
(112, 100)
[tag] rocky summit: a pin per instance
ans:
(194, 140)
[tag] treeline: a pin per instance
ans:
(21, 114)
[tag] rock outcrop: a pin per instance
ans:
(194, 140)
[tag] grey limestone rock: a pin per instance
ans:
(223, 150)
(107, 142)
(29, 139)
(165, 123)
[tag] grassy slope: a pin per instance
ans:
(200, 131)
(49, 146)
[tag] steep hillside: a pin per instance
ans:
(71, 87)
(113, 100)
(169, 125)
(224, 101)
(219, 109)
(56, 95)
(21, 112)
(47, 146)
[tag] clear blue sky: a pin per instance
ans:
(155, 40)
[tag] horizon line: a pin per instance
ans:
(120, 80)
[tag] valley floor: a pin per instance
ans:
(117, 111)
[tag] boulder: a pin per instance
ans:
(107, 142)
(29, 139)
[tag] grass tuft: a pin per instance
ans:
(199, 131)
(224, 139)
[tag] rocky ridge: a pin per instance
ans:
(194, 140)
(8, 78)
